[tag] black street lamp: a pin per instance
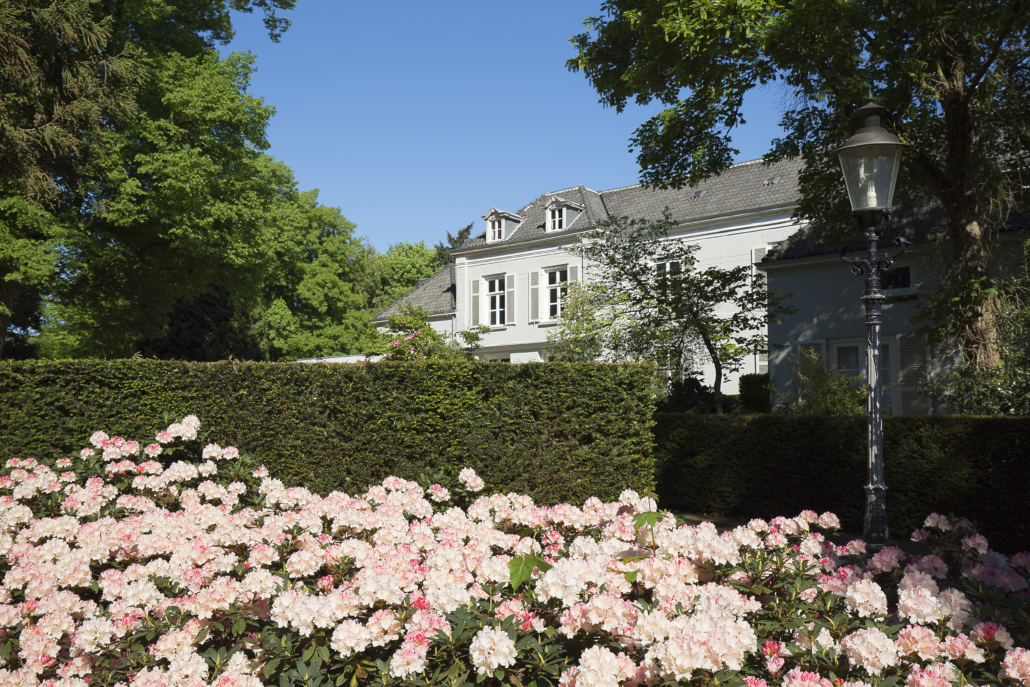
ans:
(870, 160)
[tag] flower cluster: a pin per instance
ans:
(176, 564)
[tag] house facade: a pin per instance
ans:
(511, 277)
(830, 317)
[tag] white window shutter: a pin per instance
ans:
(534, 296)
(573, 273)
(763, 363)
(475, 302)
(913, 360)
(509, 301)
(757, 254)
(913, 368)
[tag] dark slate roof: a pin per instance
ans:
(739, 188)
(436, 295)
(920, 223)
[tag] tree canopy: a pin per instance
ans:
(952, 74)
(648, 298)
(443, 250)
(165, 228)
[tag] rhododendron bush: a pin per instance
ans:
(181, 562)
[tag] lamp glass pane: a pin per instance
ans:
(870, 173)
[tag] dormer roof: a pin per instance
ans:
(559, 202)
(495, 214)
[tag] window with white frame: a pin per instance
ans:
(496, 229)
(557, 290)
(850, 359)
(557, 218)
(666, 272)
(495, 299)
(667, 268)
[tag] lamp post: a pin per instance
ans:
(870, 160)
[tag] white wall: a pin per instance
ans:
(727, 243)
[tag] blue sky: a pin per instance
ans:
(416, 118)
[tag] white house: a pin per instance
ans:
(510, 276)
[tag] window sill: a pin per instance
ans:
(499, 327)
(547, 323)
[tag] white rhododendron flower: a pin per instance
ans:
(491, 649)
(871, 650)
(866, 598)
(470, 479)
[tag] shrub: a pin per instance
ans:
(558, 432)
(184, 564)
(818, 388)
(760, 465)
(755, 393)
(690, 395)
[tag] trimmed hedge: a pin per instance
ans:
(754, 393)
(559, 432)
(765, 465)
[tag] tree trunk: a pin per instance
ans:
(8, 290)
(718, 372)
(975, 322)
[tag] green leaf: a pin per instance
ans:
(648, 519)
(631, 576)
(499, 674)
(521, 568)
(270, 667)
(240, 626)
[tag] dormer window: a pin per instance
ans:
(557, 219)
(560, 214)
(500, 225)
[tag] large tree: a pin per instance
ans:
(952, 74)
(313, 303)
(60, 89)
(174, 201)
(62, 85)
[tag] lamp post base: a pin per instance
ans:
(874, 529)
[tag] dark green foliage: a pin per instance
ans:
(754, 393)
(690, 395)
(559, 432)
(443, 255)
(766, 465)
(207, 328)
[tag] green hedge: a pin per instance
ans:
(754, 393)
(766, 465)
(560, 432)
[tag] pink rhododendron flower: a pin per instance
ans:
(1016, 666)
